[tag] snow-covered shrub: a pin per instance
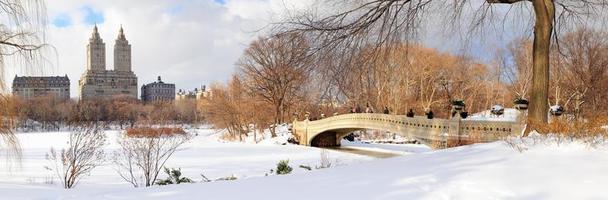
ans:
(83, 154)
(141, 157)
(174, 177)
(283, 167)
(516, 143)
(324, 159)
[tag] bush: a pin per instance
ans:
(84, 153)
(175, 177)
(141, 158)
(283, 167)
(576, 128)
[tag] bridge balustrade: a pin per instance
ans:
(418, 127)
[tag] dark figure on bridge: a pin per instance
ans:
(386, 111)
(430, 115)
(358, 109)
(410, 113)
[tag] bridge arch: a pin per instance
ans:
(330, 138)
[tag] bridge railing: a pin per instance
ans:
(418, 127)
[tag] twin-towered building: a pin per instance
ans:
(99, 82)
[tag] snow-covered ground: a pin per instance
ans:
(572, 170)
(533, 168)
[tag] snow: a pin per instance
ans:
(206, 154)
(532, 168)
(265, 137)
(400, 149)
(509, 115)
(497, 107)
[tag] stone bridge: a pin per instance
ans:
(331, 130)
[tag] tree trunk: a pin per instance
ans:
(543, 29)
(277, 113)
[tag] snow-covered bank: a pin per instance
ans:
(572, 170)
(205, 154)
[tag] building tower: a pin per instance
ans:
(122, 53)
(99, 82)
(96, 52)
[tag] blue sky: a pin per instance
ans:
(62, 20)
(91, 17)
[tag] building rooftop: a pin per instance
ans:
(40, 79)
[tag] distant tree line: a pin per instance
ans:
(49, 113)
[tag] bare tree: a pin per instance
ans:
(142, 156)
(518, 71)
(21, 30)
(581, 71)
(276, 69)
(186, 111)
(231, 108)
(354, 24)
(85, 153)
(8, 115)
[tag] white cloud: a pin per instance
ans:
(190, 46)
